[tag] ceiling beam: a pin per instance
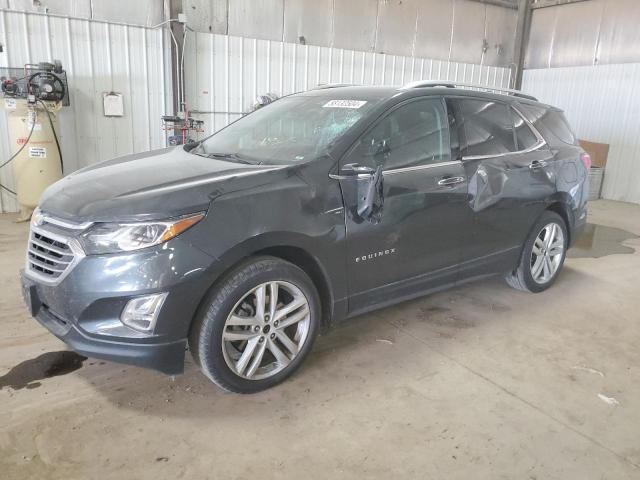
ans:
(500, 3)
(553, 3)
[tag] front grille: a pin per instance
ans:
(48, 257)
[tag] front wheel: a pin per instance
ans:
(257, 326)
(542, 256)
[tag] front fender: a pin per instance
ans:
(288, 215)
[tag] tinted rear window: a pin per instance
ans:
(550, 123)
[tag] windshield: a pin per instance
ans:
(289, 130)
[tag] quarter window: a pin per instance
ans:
(524, 135)
(412, 135)
(488, 127)
(550, 123)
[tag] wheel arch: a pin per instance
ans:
(557, 204)
(312, 267)
(293, 248)
(562, 207)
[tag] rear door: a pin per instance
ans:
(508, 166)
(416, 244)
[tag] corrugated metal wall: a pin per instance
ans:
(225, 73)
(595, 32)
(602, 104)
(454, 30)
(99, 57)
(137, 12)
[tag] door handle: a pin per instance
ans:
(537, 164)
(450, 181)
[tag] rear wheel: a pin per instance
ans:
(542, 256)
(257, 326)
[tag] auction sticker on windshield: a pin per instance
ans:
(344, 104)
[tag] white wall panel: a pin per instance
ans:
(596, 32)
(455, 30)
(136, 12)
(602, 104)
(98, 57)
(225, 74)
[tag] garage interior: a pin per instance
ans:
(478, 381)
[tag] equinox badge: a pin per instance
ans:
(373, 255)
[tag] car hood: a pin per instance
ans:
(151, 185)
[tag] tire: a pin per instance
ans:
(243, 353)
(534, 277)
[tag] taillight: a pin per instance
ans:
(586, 160)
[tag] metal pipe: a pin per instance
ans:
(184, 41)
(523, 28)
(216, 112)
(166, 21)
(499, 3)
(553, 3)
(71, 17)
(179, 59)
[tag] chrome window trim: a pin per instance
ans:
(394, 171)
(541, 141)
(335, 176)
(74, 246)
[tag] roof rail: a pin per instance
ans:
(324, 86)
(447, 84)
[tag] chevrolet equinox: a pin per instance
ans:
(317, 207)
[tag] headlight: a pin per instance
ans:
(36, 217)
(124, 237)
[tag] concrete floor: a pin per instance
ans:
(478, 382)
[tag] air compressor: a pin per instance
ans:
(33, 96)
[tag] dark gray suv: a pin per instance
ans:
(318, 207)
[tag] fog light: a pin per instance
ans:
(141, 313)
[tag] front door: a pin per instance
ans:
(414, 243)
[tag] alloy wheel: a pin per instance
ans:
(547, 253)
(266, 330)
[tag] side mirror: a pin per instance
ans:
(362, 188)
(355, 171)
(370, 198)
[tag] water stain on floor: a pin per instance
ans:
(440, 316)
(599, 241)
(51, 364)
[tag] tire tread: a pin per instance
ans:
(201, 331)
(517, 279)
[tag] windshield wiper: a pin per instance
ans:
(233, 157)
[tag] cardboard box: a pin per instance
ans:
(598, 152)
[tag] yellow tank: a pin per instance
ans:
(38, 164)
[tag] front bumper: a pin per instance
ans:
(95, 292)
(165, 357)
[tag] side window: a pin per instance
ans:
(487, 126)
(554, 120)
(411, 135)
(552, 124)
(524, 135)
